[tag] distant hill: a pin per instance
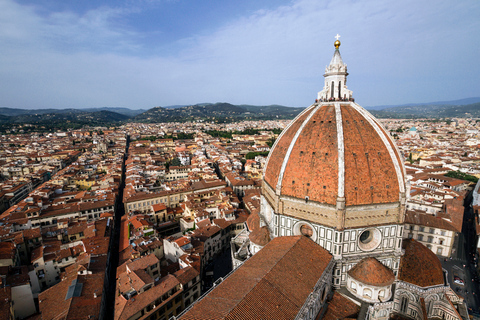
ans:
(459, 102)
(124, 111)
(49, 119)
(222, 111)
(62, 120)
(17, 112)
(430, 111)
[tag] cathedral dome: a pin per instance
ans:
(336, 154)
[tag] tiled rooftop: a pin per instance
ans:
(273, 284)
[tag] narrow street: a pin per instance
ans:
(108, 298)
(462, 263)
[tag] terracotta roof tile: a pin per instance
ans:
(341, 307)
(260, 236)
(420, 266)
(370, 271)
(312, 167)
(274, 283)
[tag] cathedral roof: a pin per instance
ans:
(370, 271)
(273, 284)
(341, 307)
(334, 150)
(420, 266)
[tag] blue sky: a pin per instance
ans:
(147, 53)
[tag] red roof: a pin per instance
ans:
(273, 284)
(370, 271)
(420, 266)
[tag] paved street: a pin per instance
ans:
(462, 263)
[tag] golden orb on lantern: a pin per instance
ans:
(337, 44)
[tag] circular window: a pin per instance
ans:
(366, 236)
(306, 230)
(303, 228)
(369, 239)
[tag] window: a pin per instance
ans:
(432, 231)
(443, 233)
(439, 250)
(410, 235)
(366, 236)
(306, 230)
(353, 286)
(441, 241)
(403, 304)
(422, 229)
(367, 293)
(430, 239)
(420, 237)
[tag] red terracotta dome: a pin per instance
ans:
(260, 236)
(336, 150)
(420, 266)
(370, 271)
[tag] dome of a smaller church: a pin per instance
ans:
(370, 271)
(260, 236)
(370, 280)
(420, 266)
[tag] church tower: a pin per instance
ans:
(336, 176)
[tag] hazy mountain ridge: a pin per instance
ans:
(69, 115)
(218, 112)
(221, 111)
(17, 112)
(459, 102)
(430, 111)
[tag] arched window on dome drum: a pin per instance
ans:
(381, 293)
(353, 285)
(367, 292)
(333, 86)
(340, 89)
(306, 230)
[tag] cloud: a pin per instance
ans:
(397, 52)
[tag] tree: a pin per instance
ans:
(271, 141)
(410, 158)
(252, 155)
(461, 175)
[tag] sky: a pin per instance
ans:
(141, 54)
